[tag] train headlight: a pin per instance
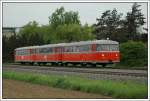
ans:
(102, 54)
(116, 54)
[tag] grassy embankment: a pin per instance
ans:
(110, 88)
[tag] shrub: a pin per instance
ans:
(133, 54)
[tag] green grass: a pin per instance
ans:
(105, 87)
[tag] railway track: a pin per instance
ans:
(132, 73)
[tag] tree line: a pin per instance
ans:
(65, 26)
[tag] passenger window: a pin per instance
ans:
(84, 48)
(77, 49)
(102, 47)
(66, 49)
(44, 50)
(57, 49)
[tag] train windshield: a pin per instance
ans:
(107, 47)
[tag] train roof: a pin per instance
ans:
(31, 47)
(71, 44)
(91, 42)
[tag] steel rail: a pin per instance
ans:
(120, 73)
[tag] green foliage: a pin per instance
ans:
(110, 25)
(133, 54)
(133, 21)
(71, 33)
(61, 17)
(30, 33)
(107, 24)
(105, 87)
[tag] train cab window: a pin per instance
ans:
(23, 52)
(106, 47)
(16, 52)
(114, 47)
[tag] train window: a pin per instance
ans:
(74, 48)
(114, 47)
(70, 49)
(66, 49)
(44, 50)
(16, 52)
(62, 49)
(33, 51)
(105, 47)
(26, 52)
(22, 52)
(102, 47)
(50, 50)
(77, 49)
(57, 49)
(84, 48)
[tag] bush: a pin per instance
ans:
(133, 54)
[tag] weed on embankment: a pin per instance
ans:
(115, 89)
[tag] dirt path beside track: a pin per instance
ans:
(19, 89)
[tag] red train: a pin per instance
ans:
(85, 52)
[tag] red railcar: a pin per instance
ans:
(84, 52)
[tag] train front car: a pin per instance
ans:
(106, 52)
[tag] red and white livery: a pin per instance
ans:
(85, 52)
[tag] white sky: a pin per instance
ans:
(19, 14)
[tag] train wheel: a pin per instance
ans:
(44, 63)
(83, 64)
(22, 63)
(75, 64)
(94, 65)
(61, 64)
(103, 65)
(54, 64)
(65, 64)
(31, 63)
(39, 63)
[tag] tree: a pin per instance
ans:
(47, 33)
(31, 34)
(134, 20)
(72, 32)
(107, 24)
(61, 17)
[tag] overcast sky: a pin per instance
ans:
(19, 14)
